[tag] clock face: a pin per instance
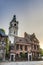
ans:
(14, 24)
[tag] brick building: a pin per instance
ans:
(22, 48)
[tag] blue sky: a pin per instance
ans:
(29, 13)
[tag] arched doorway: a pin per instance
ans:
(29, 56)
(12, 57)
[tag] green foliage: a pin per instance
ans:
(3, 30)
(23, 55)
(41, 52)
(7, 46)
(7, 49)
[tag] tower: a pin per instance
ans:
(13, 29)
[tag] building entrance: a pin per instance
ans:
(30, 57)
(11, 57)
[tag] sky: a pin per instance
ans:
(29, 13)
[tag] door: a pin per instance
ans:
(11, 57)
(30, 57)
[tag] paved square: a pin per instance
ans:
(23, 63)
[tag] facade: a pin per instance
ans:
(23, 48)
(20, 48)
(3, 38)
(29, 45)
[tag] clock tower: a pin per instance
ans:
(13, 29)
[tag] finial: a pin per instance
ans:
(14, 16)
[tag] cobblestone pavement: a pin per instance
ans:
(23, 63)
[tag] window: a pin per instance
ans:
(34, 46)
(37, 47)
(21, 47)
(17, 46)
(11, 47)
(25, 47)
(20, 40)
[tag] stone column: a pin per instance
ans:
(4, 55)
(14, 57)
(19, 47)
(31, 56)
(28, 56)
(23, 48)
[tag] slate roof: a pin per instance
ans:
(20, 39)
(26, 39)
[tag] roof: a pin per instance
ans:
(20, 40)
(14, 19)
(26, 39)
(31, 37)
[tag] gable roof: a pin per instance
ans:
(31, 37)
(26, 39)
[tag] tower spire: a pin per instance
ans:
(14, 17)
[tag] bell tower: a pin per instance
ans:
(13, 29)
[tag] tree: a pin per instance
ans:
(23, 56)
(41, 52)
(7, 48)
(2, 30)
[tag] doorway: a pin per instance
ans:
(29, 57)
(11, 57)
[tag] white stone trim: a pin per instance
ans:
(28, 56)
(13, 57)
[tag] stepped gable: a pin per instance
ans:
(27, 37)
(31, 37)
